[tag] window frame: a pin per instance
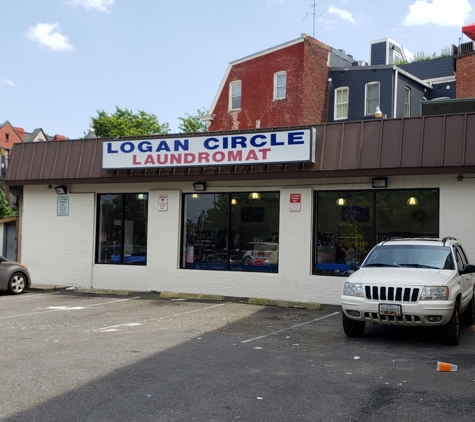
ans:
(334, 268)
(234, 97)
(337, 104)
(271, 245)
(277, 86)
(122, 246)
(407, 102)
(366, 104)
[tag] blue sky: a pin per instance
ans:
(63, 60)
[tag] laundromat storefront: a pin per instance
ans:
(268, 214)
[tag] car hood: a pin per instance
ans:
(403, 276)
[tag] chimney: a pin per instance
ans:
(59, 138)
(21, 132)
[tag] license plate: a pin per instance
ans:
(394, 310)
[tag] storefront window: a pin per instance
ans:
(122, 229)
(238, 231)
(350, 223)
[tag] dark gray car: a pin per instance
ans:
(14, 276)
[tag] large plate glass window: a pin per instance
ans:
(224, 231)
(122, 229)
(349, 223)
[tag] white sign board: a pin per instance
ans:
(295, 202)
(291, 146)
(162, 202)
(62, 208)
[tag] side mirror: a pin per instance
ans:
(468, 269)
(354, 266)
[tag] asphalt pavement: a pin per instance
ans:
(80, 357)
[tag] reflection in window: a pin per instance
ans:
(372, 98)
(350, 223)
(122, 229)
(231, 232)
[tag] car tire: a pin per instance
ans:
(353, 328)
(468, 316)
(450, 332)
(17, 283)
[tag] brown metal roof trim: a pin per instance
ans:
(424, 145)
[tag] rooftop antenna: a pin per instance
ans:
(315, 15)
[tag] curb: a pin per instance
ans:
(185, 296)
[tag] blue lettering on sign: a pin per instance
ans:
(273, 140)
(238, 140)
(256, 144)
(181, 145)
(163, 146)
(110, 150)
(145, 146)
(295, 138)
(127, 147)
(207, 143)
(225, 142)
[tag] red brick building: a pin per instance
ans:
(283, 86)
(9, 136)
(465, 65)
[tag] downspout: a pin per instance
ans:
(395, 91)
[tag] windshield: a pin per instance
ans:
(415, 256)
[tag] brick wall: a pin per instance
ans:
(465, 81)
(306, 92)
(8, 137)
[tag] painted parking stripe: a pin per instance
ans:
(289, 328)
(61, 308)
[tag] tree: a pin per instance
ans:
(125, 123)
(193, 124)
(5, 210)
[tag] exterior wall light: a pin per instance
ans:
(379, 182)
(378, 113)
(199, 186)
(61, 190)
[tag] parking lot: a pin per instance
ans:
(72, 357)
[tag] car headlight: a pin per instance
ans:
(353, 289)
(434, 293)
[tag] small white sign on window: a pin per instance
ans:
(62, 209)
(162, 202)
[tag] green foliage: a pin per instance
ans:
(125, 123)
(193, 124)
(421, 56)
(5, 210)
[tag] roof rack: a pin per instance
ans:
(448, 238)
(426, 239)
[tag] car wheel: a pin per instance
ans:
(450, 332)
(468, 316)
(353, 328)
(17, 283)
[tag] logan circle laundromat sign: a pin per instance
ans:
(211, 150)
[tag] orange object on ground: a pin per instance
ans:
(446, 367)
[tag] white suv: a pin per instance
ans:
(411, 282)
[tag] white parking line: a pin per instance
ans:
(67, 309)
(289, 328)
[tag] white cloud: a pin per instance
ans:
(7, 82)
(100, 5)
(345, 15)
(440, 12)
(48, 34)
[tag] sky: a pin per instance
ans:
(65, 60)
